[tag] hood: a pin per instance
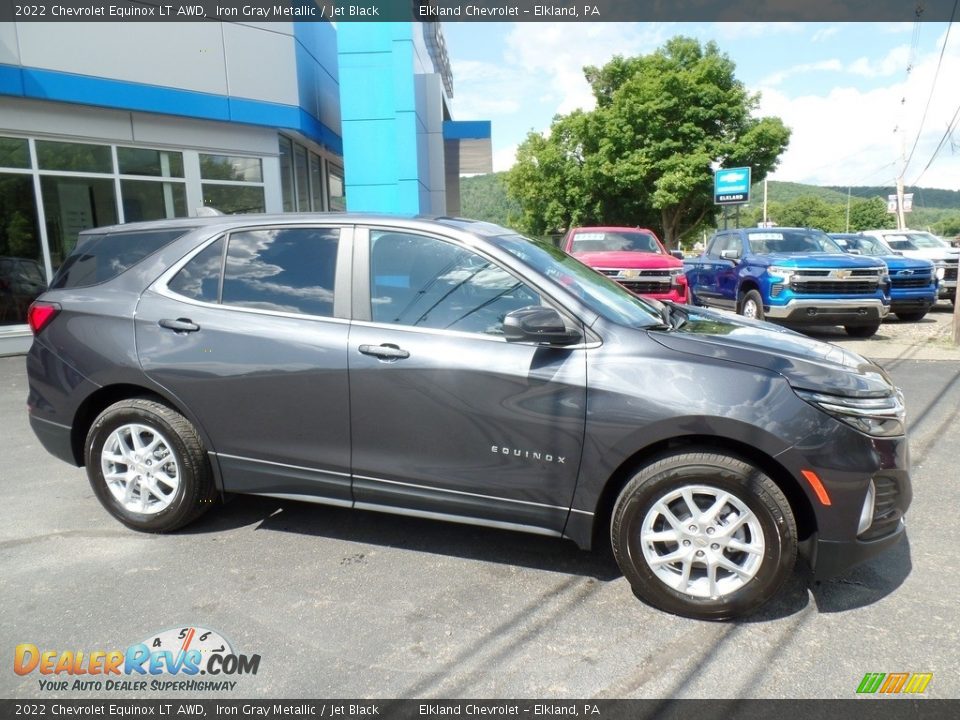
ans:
(818, 260)
(933, 254)
(806, 364)
(628, 259)
(898, 262)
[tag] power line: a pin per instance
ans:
(950, 128)
(933, 86)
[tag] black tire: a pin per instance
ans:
(700, 473)
(179, 449)
(911, 316)
(861, 331)
(751, 299)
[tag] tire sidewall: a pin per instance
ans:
(748, 487)
(752, 296)
(103, 426)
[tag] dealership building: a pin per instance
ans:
(104, 123)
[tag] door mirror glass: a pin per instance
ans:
(730, 254)
(538, 324)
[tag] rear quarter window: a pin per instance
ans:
(102, 257)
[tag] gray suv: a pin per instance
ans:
(455, 370)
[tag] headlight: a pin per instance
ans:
(675, 275)
(879, 417)
(941, 271)
(783, 274)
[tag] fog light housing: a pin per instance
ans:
(866, 512)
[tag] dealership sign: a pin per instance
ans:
(731, 186)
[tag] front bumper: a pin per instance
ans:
(948, 290)
(809, 311)
(829, 558)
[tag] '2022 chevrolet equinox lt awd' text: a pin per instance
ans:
(455, 370)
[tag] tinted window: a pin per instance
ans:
(791, 241)
(283, 269)
(98, 258)
(425, 282)
(725, 242)
(199, 279)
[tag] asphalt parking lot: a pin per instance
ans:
(342, 603)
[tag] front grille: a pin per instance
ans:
(886, 512)
(910, 282)
(950, 273)
(826, 272)
(641, 287)
(835, 287)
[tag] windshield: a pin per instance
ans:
(916, 241)
(605, 297)
(866, 245)
(614, 241)
(791, 241)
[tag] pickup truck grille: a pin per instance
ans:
(839, 281)
(910, 281)
(640, 281)
(950, 272)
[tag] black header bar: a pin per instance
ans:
(478, 10)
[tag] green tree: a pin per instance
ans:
(812, 212)
(870, 215)
(645, 155)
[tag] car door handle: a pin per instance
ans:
(180, 325)
(385, 351)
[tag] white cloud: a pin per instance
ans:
(777, 78)
(824, 33)
(897, 60)
(846, 135)
(504, 158)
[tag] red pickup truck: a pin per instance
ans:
(634, 257)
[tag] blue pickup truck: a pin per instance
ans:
(913, 281)
(795, 276)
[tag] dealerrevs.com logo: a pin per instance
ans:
(168, 661)
(894, 683)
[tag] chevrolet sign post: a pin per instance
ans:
(731, 186)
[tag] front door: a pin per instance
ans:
(447, 418)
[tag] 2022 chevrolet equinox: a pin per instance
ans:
(455, 370)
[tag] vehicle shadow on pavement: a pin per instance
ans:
(417, 534)
(867, 583)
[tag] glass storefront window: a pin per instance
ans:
(72, 204)
(316, 183)
(337, 197)
(74, 157)
(303, 181)
(14, 153)
(233, 199)
(22, 278)
(286, 174)
(150, 163)
(228, 167)
(146, 200)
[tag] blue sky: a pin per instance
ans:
(843, 88)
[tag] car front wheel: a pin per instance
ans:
(751, 305)
(147, 466)
(704, 535)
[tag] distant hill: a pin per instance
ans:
(484, 197)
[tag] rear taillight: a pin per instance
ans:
(40, 314)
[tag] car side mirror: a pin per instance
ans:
(730, 254)
(854, 251)
(538, 324)
(678, 254)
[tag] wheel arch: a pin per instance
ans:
(102, 398)
(799, 503)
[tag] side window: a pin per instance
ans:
(282, 269)
(425, 282)
(199, 279)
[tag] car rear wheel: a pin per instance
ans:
(147, 466)
(911, 316)
(704, 535)
(751, 305)
(861, 331)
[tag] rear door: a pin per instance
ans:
(447, 418)
(250, 336)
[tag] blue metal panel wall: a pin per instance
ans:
(381, 119)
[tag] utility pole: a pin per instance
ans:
(901, 220)
(848, 208)
(765, 202)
